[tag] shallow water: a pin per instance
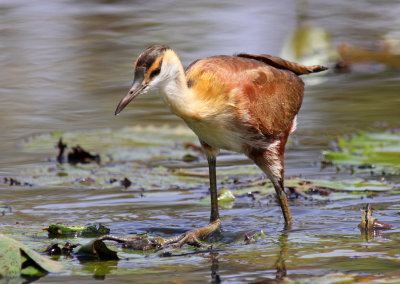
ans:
(66, 64)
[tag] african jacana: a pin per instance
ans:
(244, 103)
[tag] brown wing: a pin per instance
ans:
(265, 99)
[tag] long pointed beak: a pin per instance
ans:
(135, 90)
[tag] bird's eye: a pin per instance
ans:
(155, 72)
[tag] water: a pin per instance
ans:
(66, 64)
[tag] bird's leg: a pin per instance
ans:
(270, 161)
(213, 188)
(282, 200)
(193, 237)
(211, 154)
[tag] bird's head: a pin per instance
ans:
(154, 65)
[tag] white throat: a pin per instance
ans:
(171, 85)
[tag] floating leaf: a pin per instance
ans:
(190, 158)
(60, 230)
(145, 152)
(10, 258)
(225, 195)
(368, 151)
(97, 248)
(17, 259)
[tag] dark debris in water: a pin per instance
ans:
(66, 250)
(190, 158)
(15, 182)
(125, 182)
(76, 155)
(61, 148)
(80, 155)
(366, 166)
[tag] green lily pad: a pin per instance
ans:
(380, 151)
(315, 189)
(18, 259)
(60, 230)
(144, 155)
(320, 189)
(349, 185)
(11, 258)
(137, 143)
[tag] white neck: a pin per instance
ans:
(172, 84)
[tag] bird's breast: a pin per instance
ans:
(217, 132)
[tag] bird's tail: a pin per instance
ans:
(280, 63)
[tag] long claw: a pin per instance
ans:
(193, 237)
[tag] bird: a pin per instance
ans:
(245, 103)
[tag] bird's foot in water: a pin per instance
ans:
(193, 237)
(145, 243)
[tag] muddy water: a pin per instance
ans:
(65, 65)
